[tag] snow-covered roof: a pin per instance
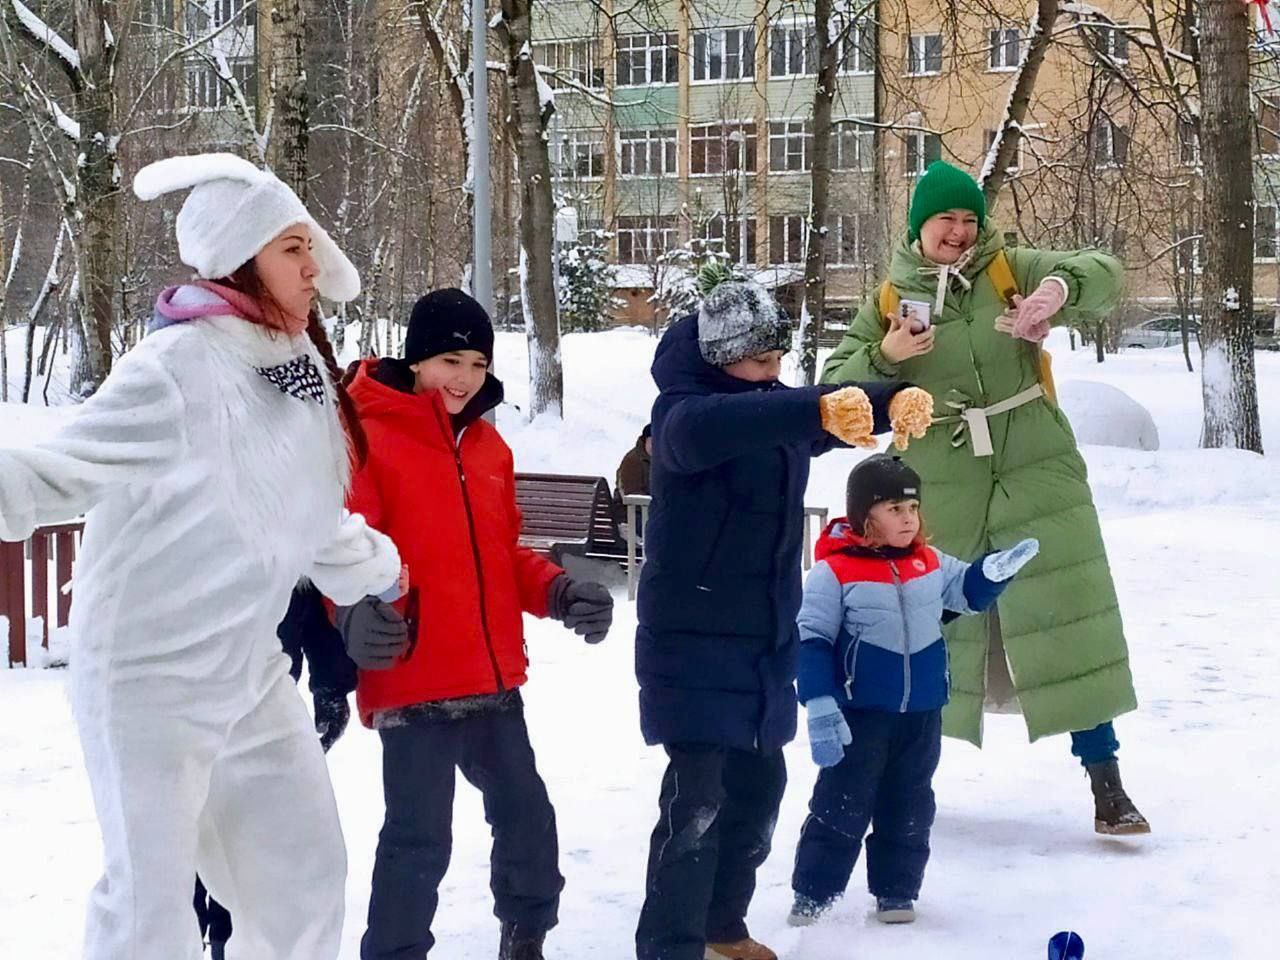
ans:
(641, 275)
(777, 276)
(632, 275)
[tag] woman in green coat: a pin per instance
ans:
(1001, 464)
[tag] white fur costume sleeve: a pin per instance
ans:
(359, 561)
(131, 430)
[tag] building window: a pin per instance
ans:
(644, 239)
(735, 236)
(578, 154)
(722, 147)
(859, 52)
(793, 50)
(645, 58)
(570, 61)
(786, 238)
(924, 54)
(1264, 232)
(853, 147)
(206, 90)
(1110, 143)
(224, 11)
(1005, 48)
(849, 239)
(1188, 143)
(724, 54)
(790, 145)
(921, 150)
(1110, 41)
(989, 137)
(1268, 126)
(156, 13)
(647, 153)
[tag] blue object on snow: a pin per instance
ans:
(1066, 945)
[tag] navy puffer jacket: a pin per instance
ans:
(720, 587)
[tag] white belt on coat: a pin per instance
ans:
(975, 418)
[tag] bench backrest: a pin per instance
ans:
(564, 509)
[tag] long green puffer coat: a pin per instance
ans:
(1059, 622)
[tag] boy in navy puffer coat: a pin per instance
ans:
(719, 593)
(873, 679)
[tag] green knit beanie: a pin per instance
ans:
(944, 187)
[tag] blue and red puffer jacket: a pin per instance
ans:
(448, 502)
(871, 622)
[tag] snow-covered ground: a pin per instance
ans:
(1192, 538)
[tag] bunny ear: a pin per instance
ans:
(182, 173)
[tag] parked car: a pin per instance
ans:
(1163, 331)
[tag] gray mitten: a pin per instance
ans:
(585, 608)
(373, 632)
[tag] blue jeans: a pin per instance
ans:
(1095, 746)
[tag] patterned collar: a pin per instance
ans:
(298, 378)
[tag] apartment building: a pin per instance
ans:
(678, 120)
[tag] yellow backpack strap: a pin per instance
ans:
(1002, 279)
(1001, 276)
(889, 302)
(1046, 376)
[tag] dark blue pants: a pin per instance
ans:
(418, 761)
(717, 811)
(885, 781)
(213, 918)
(1095, 746)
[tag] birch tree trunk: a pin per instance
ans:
(97, 192)
(290, 113)
(1228, 379)
(531, 109)
(4, 290)
(815, 260)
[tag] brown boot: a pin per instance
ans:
(744, 949)
(1114, 813)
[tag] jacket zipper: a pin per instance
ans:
(850, 665)
(906, 639)
(475, 554)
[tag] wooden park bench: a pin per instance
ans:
(51, 550)
(565, 514)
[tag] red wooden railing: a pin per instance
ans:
(52, 551)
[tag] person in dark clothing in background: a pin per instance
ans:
(719, 592)
(633, 473)
(305, 632)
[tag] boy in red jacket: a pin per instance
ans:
(440, 482)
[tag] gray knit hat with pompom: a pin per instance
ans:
(739, 319)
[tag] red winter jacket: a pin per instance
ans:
(468, 575)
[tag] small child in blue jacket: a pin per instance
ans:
(873, 678)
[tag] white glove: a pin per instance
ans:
(1001, 566)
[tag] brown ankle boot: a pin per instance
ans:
(1114, 813)
(744, 949)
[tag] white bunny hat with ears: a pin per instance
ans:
(235, 209)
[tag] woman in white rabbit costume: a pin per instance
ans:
(212, 464)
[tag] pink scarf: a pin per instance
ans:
(205, 298)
